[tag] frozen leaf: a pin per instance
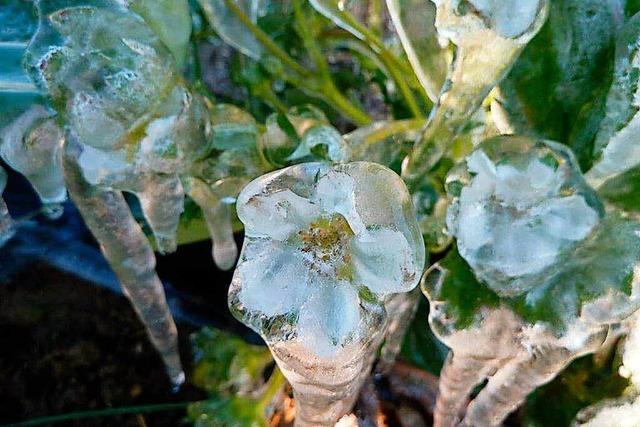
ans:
(616, 142)
(415, 24)
(303, 134)
(557, 87)
(312, 277)
(231, 28)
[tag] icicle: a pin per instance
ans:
(324, 247)
(217, 214)
(130, 255)
(7, 227)
(162, 200)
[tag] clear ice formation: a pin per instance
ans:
(32, 145)
(414, 21)
(7, 226)
(617, 140)
(325, 248)
(298, 135)
(517, 324)
(489, 36)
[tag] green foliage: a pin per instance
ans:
(557, 88)
(233, 373)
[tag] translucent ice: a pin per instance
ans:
(31, 145)
(489, 36)
(298, 135)
(129, 253)
(324, 248)
(539, 275)
(517, 208)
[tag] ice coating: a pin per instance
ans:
(31, 145)
(324, 247)
(129, 253)
(489, 36)
(295, 137)
(7, 229)
(518, 206)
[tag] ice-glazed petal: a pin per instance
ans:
(278, 204)
(523, 188)
(329, 318)
(336, 192)
(568, 218)
(382, 201)
(384, 262)
(520, 249)
(277, 215)
(274, 281)
(473, 224)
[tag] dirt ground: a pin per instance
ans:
(69, 346)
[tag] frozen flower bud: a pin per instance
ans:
(518, 207)
(324, 247)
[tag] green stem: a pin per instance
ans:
(124, 410)
(394, 128)
(264, 38)
(328, 89)
(387, 58)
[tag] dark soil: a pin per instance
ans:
(70, 346)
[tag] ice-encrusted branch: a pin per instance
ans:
(489, 37)
(325, 246)
(539, 274)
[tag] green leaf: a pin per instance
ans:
(170, 20)
(623, 191)
(557, 87)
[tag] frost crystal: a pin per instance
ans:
(324, 247)
(517, 209)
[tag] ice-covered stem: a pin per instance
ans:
(459, 375)
(487, 46)
(401, 309)
(129, 253)
(510, 386)
(217, 215)
(324, 394)
(7, 226)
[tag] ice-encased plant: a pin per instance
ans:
(325, 246)
(539, 275)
